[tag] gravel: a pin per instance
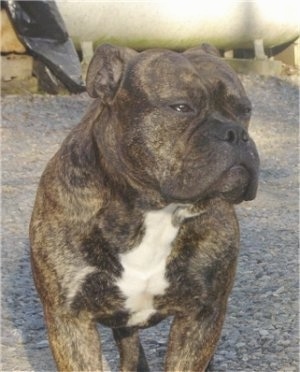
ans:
(261, 329)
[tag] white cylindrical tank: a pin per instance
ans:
(181, 24)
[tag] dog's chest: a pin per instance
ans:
(144, 266)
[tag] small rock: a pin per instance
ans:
(36, 324)
(42, 344)
(284, 342)
(263, 332)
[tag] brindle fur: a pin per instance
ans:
(132, 153)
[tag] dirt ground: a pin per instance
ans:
(261, 329)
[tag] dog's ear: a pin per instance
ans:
(204, 48)
(210, 49)
(106, 69)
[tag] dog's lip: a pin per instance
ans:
(237, 170)
(251, 177)
(234, 182)
(252, 187)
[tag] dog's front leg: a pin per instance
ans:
(74, 341)
(193, 339)
(131, 351)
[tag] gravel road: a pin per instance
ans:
(261, 328)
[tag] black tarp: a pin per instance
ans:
(42, 30)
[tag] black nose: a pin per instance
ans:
(235, 134)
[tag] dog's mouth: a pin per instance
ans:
(238, 183)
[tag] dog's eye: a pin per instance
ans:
(182, 107)
(245, 110)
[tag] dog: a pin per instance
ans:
(134, 215)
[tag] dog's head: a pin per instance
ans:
(175, 122)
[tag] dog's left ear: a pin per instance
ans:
(210, 49)
(106, 69)
(206, 48)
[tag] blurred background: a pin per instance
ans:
(47, 45)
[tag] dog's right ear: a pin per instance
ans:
(106, 69)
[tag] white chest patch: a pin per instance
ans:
(144, 266)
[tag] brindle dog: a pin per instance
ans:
(134, 216)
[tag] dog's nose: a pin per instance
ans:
(228, 131)
(235, 134)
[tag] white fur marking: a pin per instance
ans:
(144, 266)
